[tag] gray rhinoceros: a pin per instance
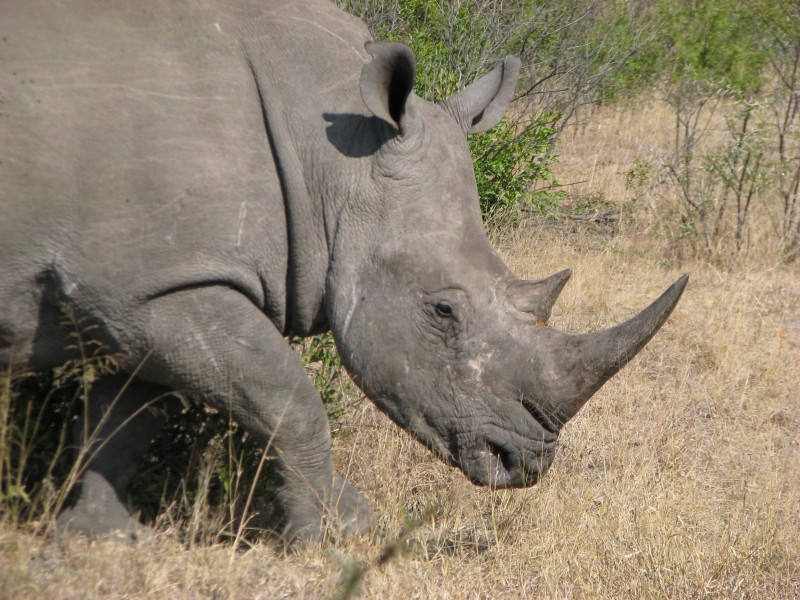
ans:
(195, 181)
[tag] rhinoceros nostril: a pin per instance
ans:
(501, 465)
(500, 454)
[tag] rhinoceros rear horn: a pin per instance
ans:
(387, 81)
(579, 364)
(538, 297)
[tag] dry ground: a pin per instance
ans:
(681, 479)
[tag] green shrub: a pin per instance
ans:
(321, 359)
(713, 40)
(200, 469)
(36, 414)
(509, 160)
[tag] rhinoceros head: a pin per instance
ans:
(429, 320)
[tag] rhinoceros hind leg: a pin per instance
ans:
(120, 427)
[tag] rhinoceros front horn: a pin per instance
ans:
(572, 367)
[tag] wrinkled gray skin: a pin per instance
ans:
(195, 182)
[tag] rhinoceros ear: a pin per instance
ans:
(481, 105)
(387, 81)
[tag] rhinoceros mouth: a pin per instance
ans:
(493, 465)
(497, 465)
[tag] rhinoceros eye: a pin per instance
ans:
(444, 310)
(446, 315)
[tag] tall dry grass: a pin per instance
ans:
(680, 479)
(623, 158)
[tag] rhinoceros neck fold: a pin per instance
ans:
(322, 140)
(307, 246)
(295, 127)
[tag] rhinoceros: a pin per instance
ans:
(192, 182)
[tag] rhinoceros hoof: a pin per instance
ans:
(354, 516)
(344, 514)
(101, 524)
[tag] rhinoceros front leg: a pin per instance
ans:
(215, 343)
(122, 419)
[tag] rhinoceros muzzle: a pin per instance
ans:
(551, 375)
(499, 466)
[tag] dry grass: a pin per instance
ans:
(601, 161)
(681, 479)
